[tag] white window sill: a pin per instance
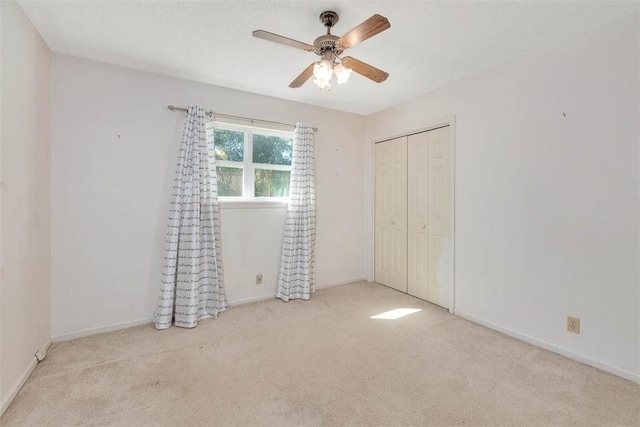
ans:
(253, 204)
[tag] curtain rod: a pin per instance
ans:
(228, 116)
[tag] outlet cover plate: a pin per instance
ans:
(573, 324)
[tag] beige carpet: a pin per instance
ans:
(321, 362)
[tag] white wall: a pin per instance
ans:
(546, 205)
(113, 159)
(25, 195)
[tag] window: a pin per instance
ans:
(252, 163)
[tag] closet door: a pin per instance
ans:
(428, 216)
(438, 267)
(418, 214)
(391, 213)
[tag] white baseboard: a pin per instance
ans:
(553, 348)
(123, 325)
(271, 296)
(243, 301)
(101, 329)
(15, 389)
(341, 282)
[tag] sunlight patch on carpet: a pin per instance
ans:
(396, 314)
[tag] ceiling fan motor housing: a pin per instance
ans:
(327, 43)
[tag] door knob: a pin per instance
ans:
(392, 222)
(424, 226)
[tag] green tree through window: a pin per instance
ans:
(272, 183)
(229, 145)
(272, 150)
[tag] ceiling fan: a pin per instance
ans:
(330, 47)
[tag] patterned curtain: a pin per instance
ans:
(297, 276)
(192, 285)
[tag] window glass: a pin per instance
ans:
(272, 150)
(250, 162)
(229, 145)
(272, 183)
(230, 181)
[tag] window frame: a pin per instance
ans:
(247, 165)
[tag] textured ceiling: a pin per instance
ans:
(429, 45)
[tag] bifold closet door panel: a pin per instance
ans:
(418, 214)
(438, 267)
(428, 215)
(391, 213)
(382, 212)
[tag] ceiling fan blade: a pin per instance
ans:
(303, 77)
(369, 28)
(365, 69)
(261, 34)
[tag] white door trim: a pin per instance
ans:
(448, 120)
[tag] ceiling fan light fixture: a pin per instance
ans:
(322, 70)
(322, 84)
(342, 73)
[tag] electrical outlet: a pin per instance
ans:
(259, 279)
(573, 325)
